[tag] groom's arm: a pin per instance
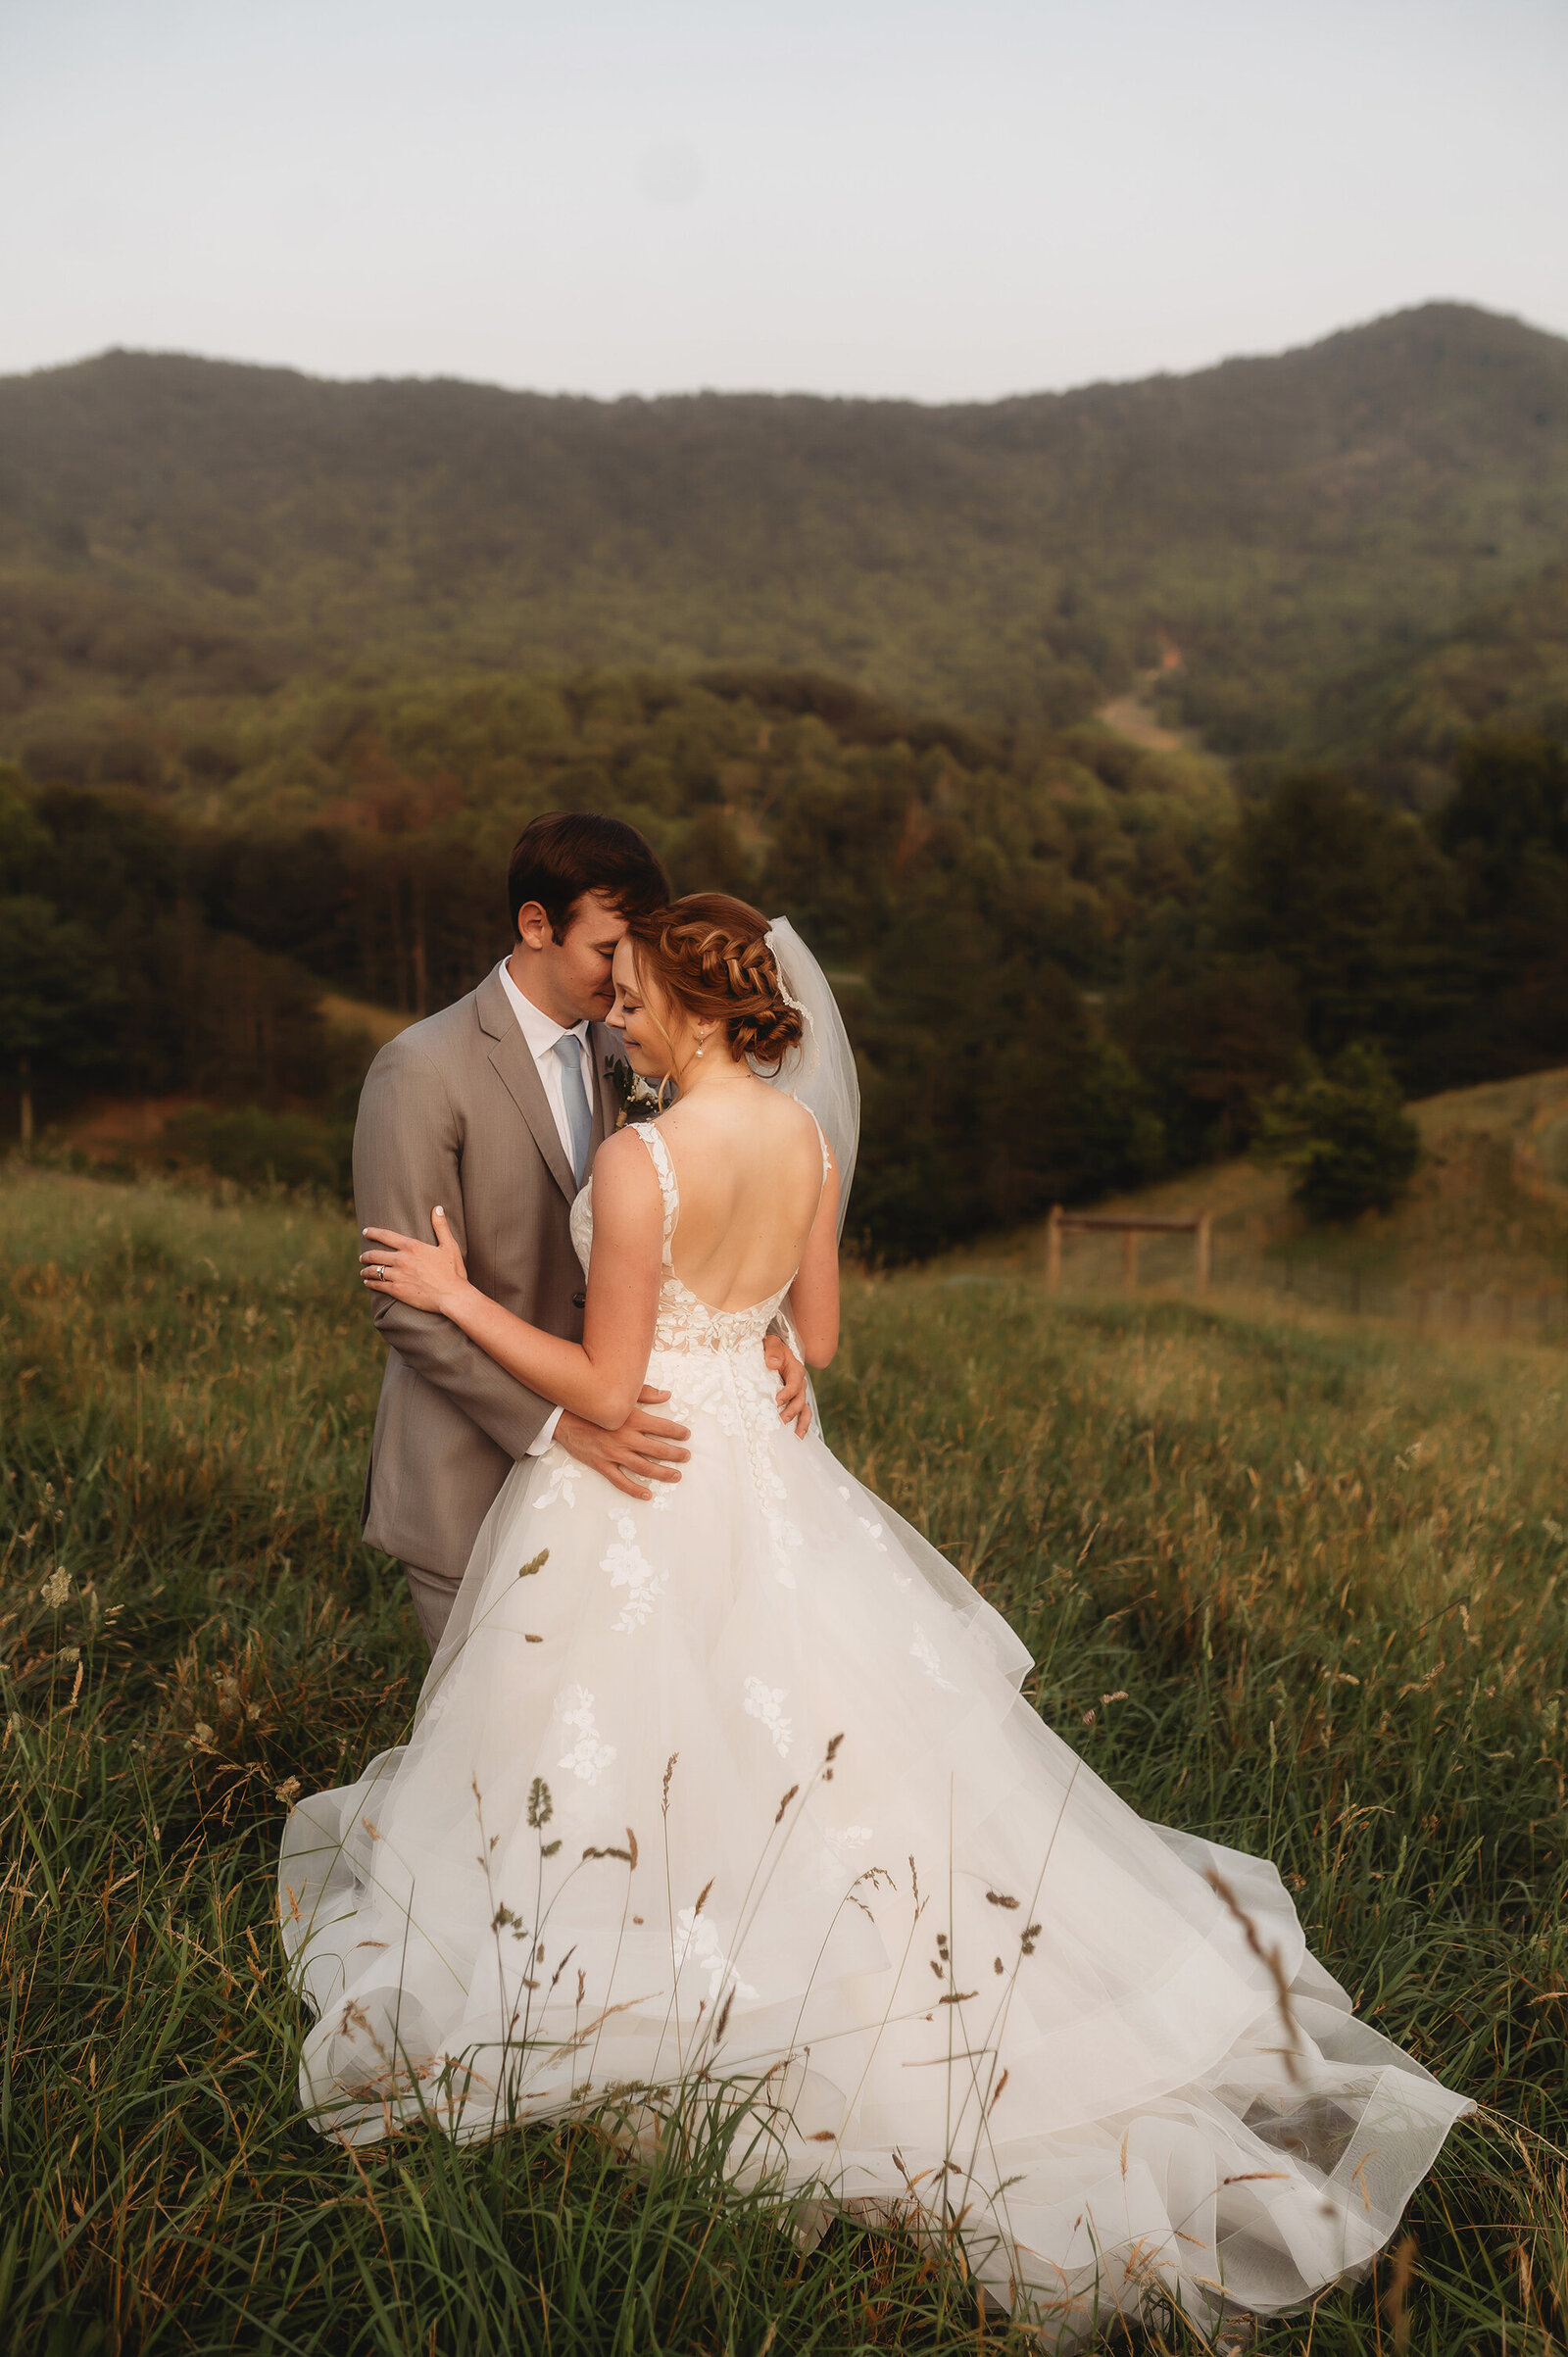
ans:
(406, 1160)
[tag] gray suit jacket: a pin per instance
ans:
(454, 1113)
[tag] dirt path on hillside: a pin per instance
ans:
(1133, 719)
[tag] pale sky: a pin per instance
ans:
(946, 199)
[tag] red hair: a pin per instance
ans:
(708, 953)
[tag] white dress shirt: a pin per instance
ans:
(541, 1031)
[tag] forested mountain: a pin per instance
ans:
(1505, 666)
(285, 665)
(1289, 535)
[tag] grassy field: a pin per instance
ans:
(1294, 1583)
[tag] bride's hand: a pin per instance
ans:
(428, 1276)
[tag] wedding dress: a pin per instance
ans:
(734, 1790)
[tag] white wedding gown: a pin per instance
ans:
(740, 1782)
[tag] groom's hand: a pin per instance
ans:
(646, 1449)
(794, 1404)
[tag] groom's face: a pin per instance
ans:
(568, 978)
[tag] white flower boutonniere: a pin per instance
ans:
(640, 1100)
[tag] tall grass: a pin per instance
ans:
(1296, 1587)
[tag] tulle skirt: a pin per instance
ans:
(731, 1800)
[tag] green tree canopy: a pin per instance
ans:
(1357, 903)
(57, 996)
(1506, 830)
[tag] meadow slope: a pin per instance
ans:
(1296, 1585)
(1479, 1239)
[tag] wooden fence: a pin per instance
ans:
(1196, 1225)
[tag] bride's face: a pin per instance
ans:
(655, 1032)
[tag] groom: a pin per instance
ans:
(495, 1109)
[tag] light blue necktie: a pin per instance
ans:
(579, 1121)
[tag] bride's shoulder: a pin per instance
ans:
(625, 1180)
(626, 1149)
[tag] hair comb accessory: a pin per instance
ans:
(774, 947)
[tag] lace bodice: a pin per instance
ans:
(683, 1322)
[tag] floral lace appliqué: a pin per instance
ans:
(930, 1660)
(629, 1568)
(786, 1537)
(588, 1757)
(564, 1474)
(696, 1941)
(766, 1702)
(875, 1530)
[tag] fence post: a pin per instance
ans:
(1054, 1248)
(1204, 1251)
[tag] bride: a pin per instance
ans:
(735, 1789)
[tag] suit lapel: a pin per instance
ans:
(603, 1048)
(513, 1060)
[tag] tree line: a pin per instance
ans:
(1066, 965)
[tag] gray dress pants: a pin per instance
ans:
(433, 1593)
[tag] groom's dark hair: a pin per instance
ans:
(563, 853)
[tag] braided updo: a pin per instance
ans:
(709, 954)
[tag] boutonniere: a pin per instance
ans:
(640, 1100)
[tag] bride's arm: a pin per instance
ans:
(814, 1302)
(598, 1378)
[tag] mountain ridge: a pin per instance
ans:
(170, 525)
(1379, 325)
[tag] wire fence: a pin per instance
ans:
(1166, 1265)
(1499, 1310)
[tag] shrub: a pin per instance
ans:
(1345, 1134)
(257, 1149)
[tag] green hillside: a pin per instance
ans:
(1479, 1240)
(175, 531)
(1505, 666)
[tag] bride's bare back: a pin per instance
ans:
(749, 1164)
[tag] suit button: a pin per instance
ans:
(579, 1300)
